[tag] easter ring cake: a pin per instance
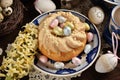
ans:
(61, 36)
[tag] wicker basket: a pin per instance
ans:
(10, 23)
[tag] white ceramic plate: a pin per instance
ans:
(88, 60)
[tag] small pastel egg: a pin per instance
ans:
(1, 17)
(87, 48)
(89, 36)
(1, 51)
(67, 31)
(58, 31)
(87, 27)
(61, 19)
(62, 25)
(59, 65)
(43, 59)
(54, 23)
(76, 61)
(70, 24)
(96, 15)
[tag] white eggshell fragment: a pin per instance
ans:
(76, 61)
(59, 65)
(6, 3)
(106, 63)
(96, 15)
(90, 36)
(1, 17)
(43, 59)
(87, 48)
(7, 11)
(44, 5)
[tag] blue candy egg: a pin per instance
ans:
(67, 31)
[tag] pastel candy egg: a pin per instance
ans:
(70, 24)
(61, 19)
(76, 61)
(87, 48)
(62, 25)
(87, 27)
(67, 31)
(89, 36)
(54, 23)
(58, 31)
(43, 59)
(59, 65)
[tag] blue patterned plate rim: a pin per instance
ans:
(96, 50)
(112, 2)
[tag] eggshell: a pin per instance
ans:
(87, 48)
(44, 5)
(106, 63)
(90, 36)
(76, 61)
(59, 65)
(1, 51)
(43, 59)
(6, 3)
(96, 15)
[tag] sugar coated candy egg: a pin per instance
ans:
(76, 61)
(87, 48)
(61, 19)
(59, 65)
(43, 59)
(58, 31)
(89, 36)
(70, 24)
(96, 15)
(87, 27)
(54, 23)
(67, 31)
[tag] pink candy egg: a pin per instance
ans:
(54, 23)
(43, 59)
(89, 36)
(76, 61)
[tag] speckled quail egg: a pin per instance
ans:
(7, 11)
(1, 17)
(6, 3)
(96, 15)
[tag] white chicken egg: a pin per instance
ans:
(96, 15)
(106, 63)
(44, 5)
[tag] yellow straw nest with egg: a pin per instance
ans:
(11, 15)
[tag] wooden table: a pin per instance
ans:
(89, 74)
